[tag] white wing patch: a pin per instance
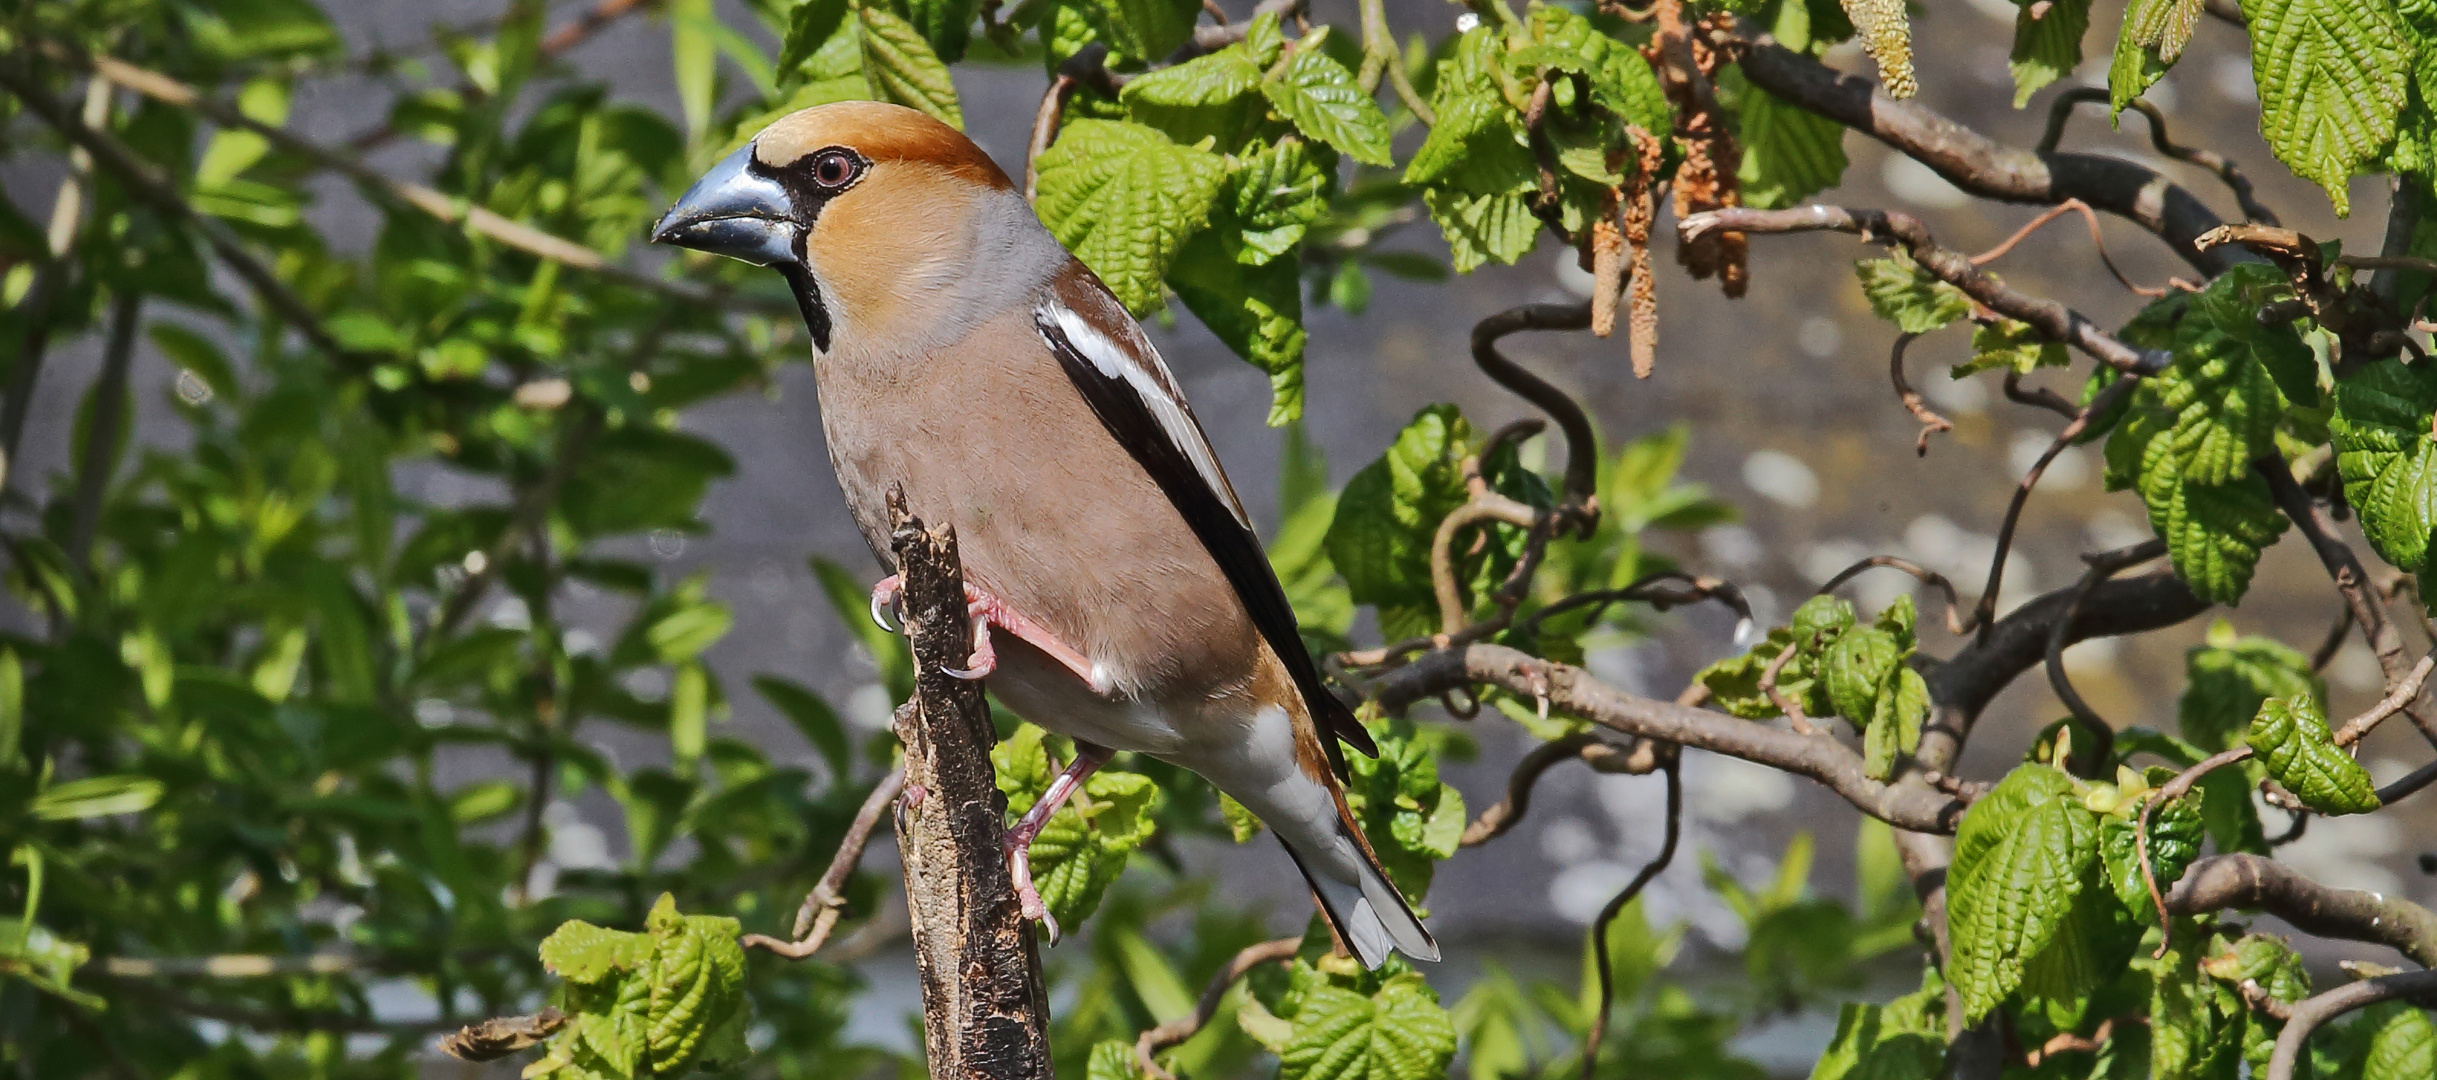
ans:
(1141, 368)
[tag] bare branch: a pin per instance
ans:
(600, 15)
(2260, 883)
(2038, 397)
(2308, 1015)
(1576, 692)
(1984, 613)
(2053, 320)
(2385, 641)
(2102, 567)
(2402, 694)
(2411, 782)
(1768, 688)
(1984, 167)
(1923, 574)
(2062, 109)
(1178, 1030)
(1508, 812)
(2097, 241)
(1581, 446)
(1673, 767)
(826, 903)
(1931, 422)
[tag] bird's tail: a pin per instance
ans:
(1366, 910)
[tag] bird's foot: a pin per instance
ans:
(1028, 898)
(884, 601)
(989, 612)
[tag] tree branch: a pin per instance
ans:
(2224, 168)
(2259, 883)
(826, 903)
(2368, 609)
(1581, 446)
(1575, 692)
(2309, 1014)
(1984, 167)
(2053, 320)
(1178, 1030)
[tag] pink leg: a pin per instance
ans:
(1088, 758)
(987, 612)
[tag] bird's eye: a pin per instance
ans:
(835, 168)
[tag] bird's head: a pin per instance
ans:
(864, 206)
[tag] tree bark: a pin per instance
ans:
(985, 1014)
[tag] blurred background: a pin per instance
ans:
(1790, 415)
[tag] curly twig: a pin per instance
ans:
(1178, 1030)
(1768, 687)
(2102, 567)
(1931, 422)
(2053, 320)
(1673, 767)
(1506, 813)
(2090, 218)
(1984, 613)
(2309, 1014)
(1579, 493)
(2218, 164)
(2392, 703)
(826, 903)
(2351, 580)
(2334, 643)
(1923, 574)
(2038, 396)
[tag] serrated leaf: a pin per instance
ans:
(1734, 683)
(1111, 1059)
(1905, 295)
(1397, 1033)
(2384, 452)
(2047, 44)
(2401, 1043)
(2188, 1025)
(2214, 534)
(1895, 722)
(1856, 667)
(1319, 96)
(696, 983)
(1083, 848)
(2011, 346)
(2022, 856)
(1277, 192)
(1873, 1042)
(1481, 228)
(1216, 95)
(2227, 679)
(2219, 405)
(2292, 740)
(2131, 70)
(946, 24)
(1789, 153)
(2332, 75)
(903, 69)
(1257, 310)
(580, 952)
(2176, 830)
(1390, 510)
(1145, 30)
(1125, 200)
(1478, 143)
(1412, 818)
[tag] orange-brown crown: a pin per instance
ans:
(881, 132)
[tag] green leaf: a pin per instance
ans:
(2220, 407)
(1242, 823)
(1277, 192)
(1125, 200)
(1895, 722)
(1389, 512)
(1412, 818)
(1397, 1033)
(2022, 856)
(1857, 665)
(1789, 153)
(2398, 1042)
(1084, 846)
(12, 710)
(696, 981)
(812, 717)
(811, 25)
(2226, 680)
(2332, 74)
(2134, 68)
(2012, 346)
(1905, 295)
(2230, 306)
(1481, 228)
(694, 58)
(1145, 30)
(2214, 534)
(96, 796)
(2047, 44)
(2175, 832)
(1478, 143)
(903, 69)
(580, 952)
(2189, 1015)
(1215, 96)
(2384, 452)
(1318, 95)
(946, 24)
(1898, 1041)
(1256, 310)
(1112, 1059)
(2292, 740)
(1734, 683)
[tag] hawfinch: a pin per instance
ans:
(962, 353)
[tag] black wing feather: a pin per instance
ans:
(1237, 549)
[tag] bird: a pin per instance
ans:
(1119, 592)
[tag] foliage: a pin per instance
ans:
(286, 706)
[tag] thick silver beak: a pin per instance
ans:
(735, 212)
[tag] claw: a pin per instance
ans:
(967, 674)
(1028, 898)
(880, 613)
(884, 597)
(984, 659)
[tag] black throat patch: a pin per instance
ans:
(808, 301)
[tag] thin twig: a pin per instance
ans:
(2173, 789)
(591, 22)
(1178, 1030)
(2344, 567)
(1984, 613)
(2053, 320)
(2102, 567)
(2312, 1012)
(826, 903)
(1506, 813)
(1674, 769)
(2334, 643)
(2392, 703)
(1768, 686)
(1581, 484)
(2408, 784)
(2089, 217)
(1486, 507)
(1931, 422)
(1922, 574)
(2218, 164)
(2037, 396)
